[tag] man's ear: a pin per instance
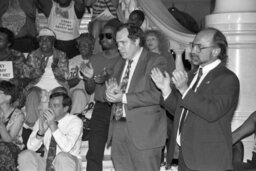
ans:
(216, 52)
(66, 109)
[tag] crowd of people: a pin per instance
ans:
(142, 103)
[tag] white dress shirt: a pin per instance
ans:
(135, 60)
(68, 136)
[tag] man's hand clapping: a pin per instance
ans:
(113, 91)
(86, 70)
(162, 81)
(43, 125)
(49, 117)
(180, 80)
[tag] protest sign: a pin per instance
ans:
(6, 70)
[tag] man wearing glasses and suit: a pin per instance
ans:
(203, 106)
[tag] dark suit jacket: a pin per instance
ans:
(146, 120)
(206, 141)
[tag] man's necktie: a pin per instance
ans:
(51, 155)
(185, 111)
(124, 83)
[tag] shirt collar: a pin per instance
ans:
(210, 66)
(64, 118)
(137, 56)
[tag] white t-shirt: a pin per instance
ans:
(64, 22)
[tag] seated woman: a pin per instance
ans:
(246, 129)
(11, 121)
(80, 90)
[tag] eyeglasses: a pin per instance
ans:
(107, 35)
(198, 47)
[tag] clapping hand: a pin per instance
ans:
(43, 125)
(113, 91)
(102, 77)
(162, 81)
(86, 70)
(180, 80)
(51, 120)
(112, 85)
(49, 116)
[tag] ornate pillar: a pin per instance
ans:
(178, 61)
(238, 23)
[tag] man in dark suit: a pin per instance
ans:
(203, 105)
(138, 123)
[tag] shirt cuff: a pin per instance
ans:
(34, 143)
(167, 95)
(36, 140)
(183, 96)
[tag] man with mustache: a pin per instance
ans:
(203, 106)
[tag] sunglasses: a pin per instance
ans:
(107, 35)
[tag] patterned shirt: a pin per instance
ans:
(36, 63)
(100, 5)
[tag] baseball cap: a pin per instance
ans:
(46, 32)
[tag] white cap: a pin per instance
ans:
(46, 32)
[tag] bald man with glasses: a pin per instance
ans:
(203, 104)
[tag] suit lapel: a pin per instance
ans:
(139, 70)
(210, 77)
(120, 71)
(191, 75)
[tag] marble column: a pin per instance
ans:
(237, 20)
